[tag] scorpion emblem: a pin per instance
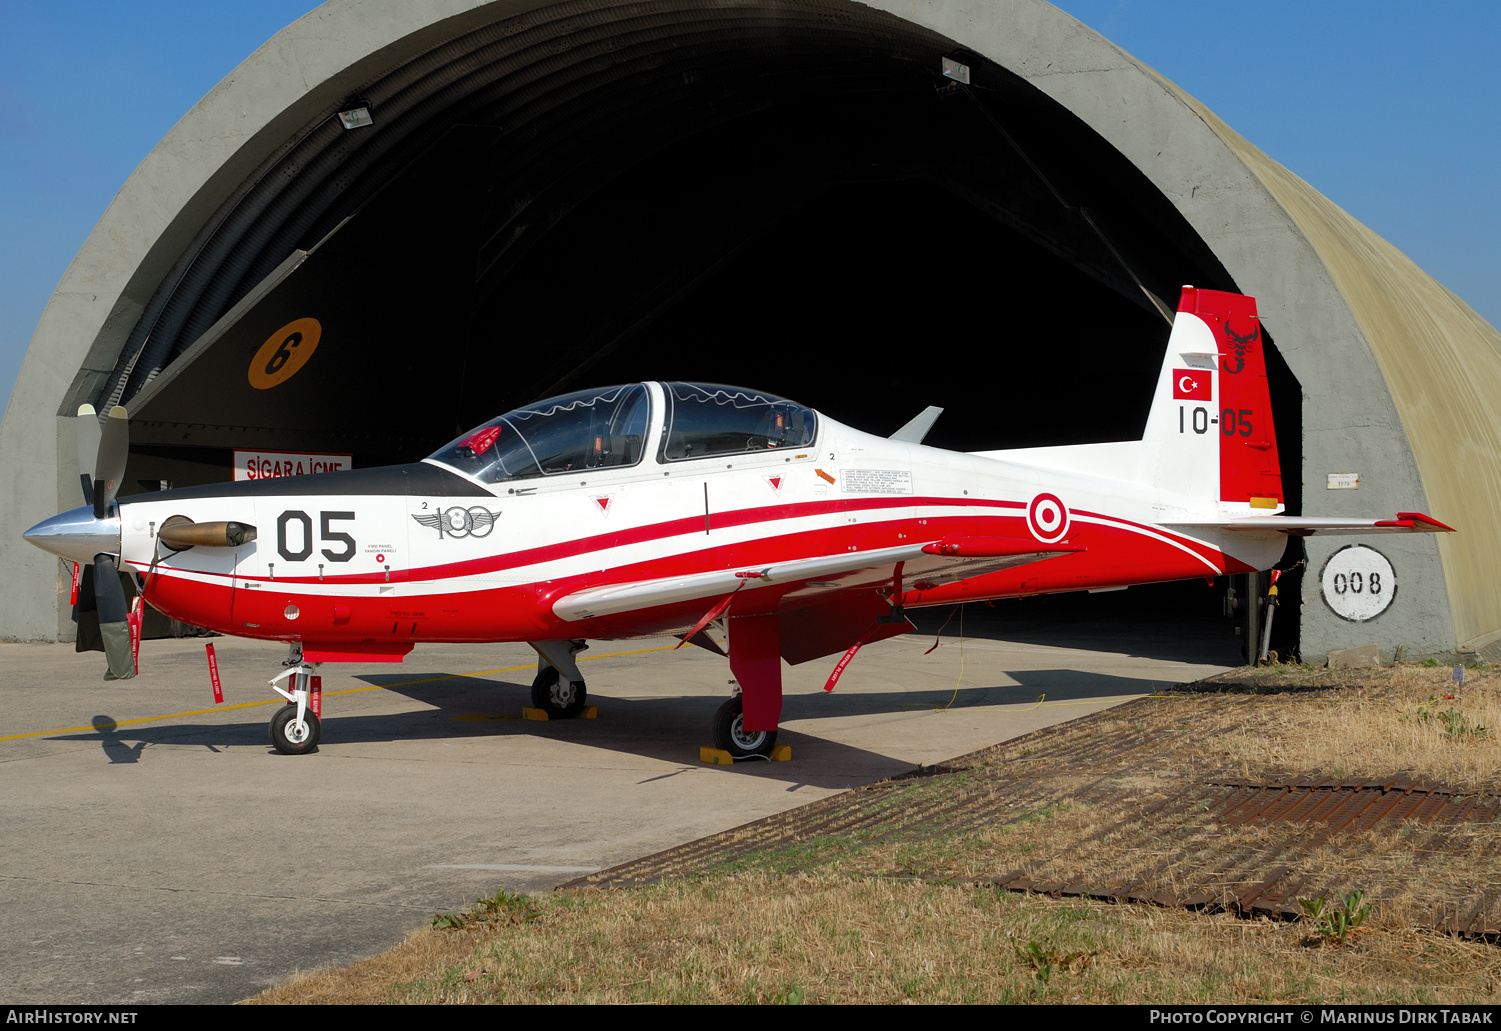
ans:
(1239, 345)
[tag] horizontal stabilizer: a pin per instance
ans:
(1308, 526)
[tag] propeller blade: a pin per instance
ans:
(114, 616)
(109, 467)
(87, 431)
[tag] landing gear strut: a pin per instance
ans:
(559, 687)
(295, 727)
(730, 733)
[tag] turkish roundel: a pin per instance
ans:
(1192, 385)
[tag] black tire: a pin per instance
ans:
(287, 738)
(730, 733)
(561, 699)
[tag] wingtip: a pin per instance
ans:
(1428, 523)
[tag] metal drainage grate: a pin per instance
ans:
(1355, 805)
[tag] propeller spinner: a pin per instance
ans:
(91, 534)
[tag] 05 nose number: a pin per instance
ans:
(294, 536)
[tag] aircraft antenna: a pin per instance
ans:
(1084, 213)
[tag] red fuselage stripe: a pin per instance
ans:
(640, 534)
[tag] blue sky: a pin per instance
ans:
(1390, 109)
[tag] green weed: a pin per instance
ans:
(1334, 923)
(504, 907)
(1044, 961)
(1456, 724)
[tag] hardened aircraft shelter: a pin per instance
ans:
(869, 207)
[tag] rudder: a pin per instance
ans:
(1210, 433)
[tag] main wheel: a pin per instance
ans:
(730, 733)
(291, 737)
(557, 696)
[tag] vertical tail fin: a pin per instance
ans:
(1210, 433)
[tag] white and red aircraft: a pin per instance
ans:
(702, 511)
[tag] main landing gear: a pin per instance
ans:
(295, 727)
(745, 727)
(559, 688)
(731, 736)
(559, 697)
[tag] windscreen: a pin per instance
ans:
(592, 429)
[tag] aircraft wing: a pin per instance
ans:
(922, 566)
(1308, 526)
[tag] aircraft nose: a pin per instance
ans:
(76, 535)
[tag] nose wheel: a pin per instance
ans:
(295, 727)
(730, 733)
(291, 735)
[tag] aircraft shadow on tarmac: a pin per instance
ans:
(669, 729)
(1177, 622)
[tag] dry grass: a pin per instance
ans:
(831, 939)
(812, 906)
(1373, 722)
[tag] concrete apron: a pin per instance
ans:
(159, 851)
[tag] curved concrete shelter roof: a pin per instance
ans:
(1394, 369)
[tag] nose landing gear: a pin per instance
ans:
(295, 727)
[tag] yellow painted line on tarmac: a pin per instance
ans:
(282, 701)
(144, 719)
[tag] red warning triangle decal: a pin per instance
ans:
(776, 483)
(603, 501)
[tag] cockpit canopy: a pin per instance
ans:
(705, 419)
(592, 429)
(607, 428)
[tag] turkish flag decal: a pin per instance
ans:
(1192, 385)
